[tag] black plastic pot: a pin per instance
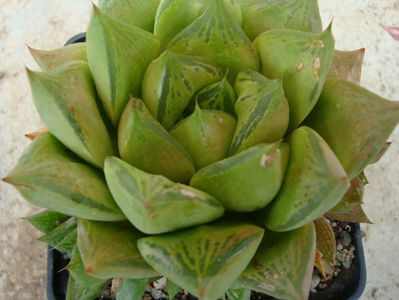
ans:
(349, 285)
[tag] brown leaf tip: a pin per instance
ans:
(329, 28)
(35, 134)
(95, 7)
(29, 71)
(31, 50)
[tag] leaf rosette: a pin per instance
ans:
(204, 141)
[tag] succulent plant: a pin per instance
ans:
(207, 141)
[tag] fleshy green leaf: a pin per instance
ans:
(303, 59)
(205, 260)
(64, 98)
(171, 81)
(50, 177)
(68, 243)
(217, 96)
(82, 286)
(314, 183)
(215, 36)
(352, 197)
(247, 181)
(109, 250)
(325, 239)
(173, 289)
(259, 16)
(51, 59)
(76, 291)
(118, 55)
(140, 13)
(347, 65)
(238, 292)
(355, 123)
(131, 289)
(47, 220)
(145, 144)
(283, 264)
(63, 237)
(206, 135)
(175, 15)
(154, 204)
(262, 111)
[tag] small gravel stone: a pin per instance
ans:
(346, 264)
(157, 294)
(115, 284)
(340, 247)
(339, 256)
(337, 271)
(160, 283)
(328, 268)
(315, 281)
(346, 238)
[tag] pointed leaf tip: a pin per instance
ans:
(29, 71)
(329, 27)
(95, 7)
(31, 50)
(35, 134)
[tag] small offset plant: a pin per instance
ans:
(207, 141)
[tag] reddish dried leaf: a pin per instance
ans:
(347, 65)
(325, 239)
(319, 264)
(352, 197)
(355, 215)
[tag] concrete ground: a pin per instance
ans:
(47, 24)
